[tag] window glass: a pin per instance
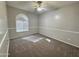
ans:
(22, 23)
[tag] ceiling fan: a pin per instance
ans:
(39, 5)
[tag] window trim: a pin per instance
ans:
(25, 19)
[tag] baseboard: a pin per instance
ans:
(22, 36)
(60, 40)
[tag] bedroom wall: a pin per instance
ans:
(61, 24)
(4, 40)
(33, 22)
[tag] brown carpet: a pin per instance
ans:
(42, 48)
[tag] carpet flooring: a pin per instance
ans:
(45, 47)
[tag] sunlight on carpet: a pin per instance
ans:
(33, 38)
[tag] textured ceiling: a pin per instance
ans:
(49, 5)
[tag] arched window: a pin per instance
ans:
(22, 23)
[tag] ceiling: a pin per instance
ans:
(49, 5)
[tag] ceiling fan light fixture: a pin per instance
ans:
(41, 9)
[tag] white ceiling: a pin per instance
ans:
(49, 5)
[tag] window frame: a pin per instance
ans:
(25, 19)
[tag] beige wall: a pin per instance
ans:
(62, 24)
(33, 22)
(4, 40)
